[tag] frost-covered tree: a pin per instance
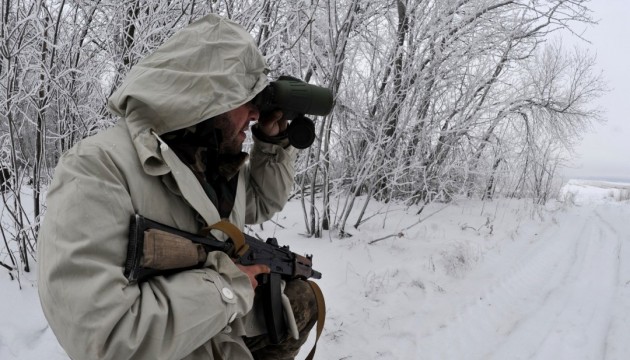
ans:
(432, 98)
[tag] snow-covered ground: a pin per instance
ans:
(496, 280)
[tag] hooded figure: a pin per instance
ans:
(144, 165)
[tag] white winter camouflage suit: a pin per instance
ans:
(204, 70)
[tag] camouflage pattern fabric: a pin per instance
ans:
(304, 305)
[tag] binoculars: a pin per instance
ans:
(295, 98)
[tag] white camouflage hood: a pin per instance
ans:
(210, 67)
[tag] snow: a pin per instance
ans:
(504, 279)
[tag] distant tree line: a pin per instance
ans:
(434, 99)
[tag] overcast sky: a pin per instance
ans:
(605, 151)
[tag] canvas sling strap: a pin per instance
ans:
(240, 247)
(237, 237)
(321, 316)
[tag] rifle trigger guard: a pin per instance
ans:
(237, 237)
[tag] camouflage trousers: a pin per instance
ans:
(304, 305)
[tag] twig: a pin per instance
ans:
(400, 234)
(277, 224)
(6, 266)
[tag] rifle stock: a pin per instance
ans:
(135, 264)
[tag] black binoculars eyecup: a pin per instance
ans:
(301, 132)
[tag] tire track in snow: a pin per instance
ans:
(555, 304)
(617, 346)
(579, 309)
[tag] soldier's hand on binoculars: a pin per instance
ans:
(272, 124)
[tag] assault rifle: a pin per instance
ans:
(157, 249)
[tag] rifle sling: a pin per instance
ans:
(321, 316)
(237, 237)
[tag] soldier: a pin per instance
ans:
(175, 157)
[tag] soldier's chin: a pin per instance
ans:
(233, 148)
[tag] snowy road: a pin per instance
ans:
(565, 296)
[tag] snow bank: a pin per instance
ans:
(594, 191)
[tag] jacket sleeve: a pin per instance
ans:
(90, 306)
(271, 176)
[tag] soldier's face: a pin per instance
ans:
(233, 125)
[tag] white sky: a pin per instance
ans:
(603, 153)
